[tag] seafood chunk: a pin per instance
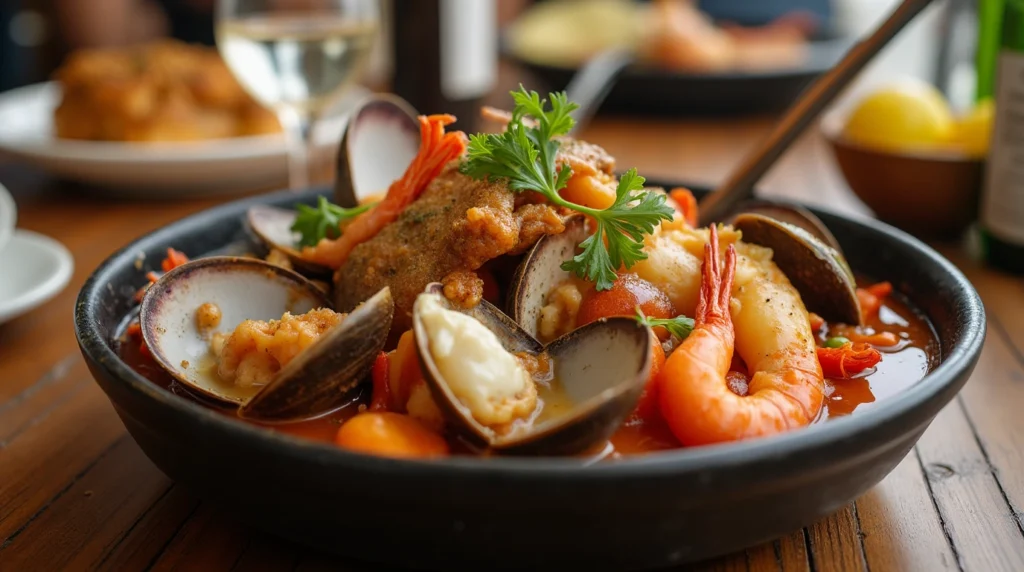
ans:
(457, 224)
(487, 380)
(254, 353)
(750, 307)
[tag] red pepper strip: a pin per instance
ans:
(135, 331)
(174, 259)
(381, 399)
(687, 204)
(848, 360)
(871, 298)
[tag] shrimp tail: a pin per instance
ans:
(715, 288)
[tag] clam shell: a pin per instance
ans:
(601, 368)
(317, 381)
(541, 270)
(322, 378)
(243, 288)
(380, 140)
(790, 214)
(819, 272)
(273, 226)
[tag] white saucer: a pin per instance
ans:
(8, 216)
(33, 269)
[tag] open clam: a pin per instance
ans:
(380, 140)
(597, 375)
(273, 226)
(541, 270)
(790, 214)
(317, 380)
(819, 272)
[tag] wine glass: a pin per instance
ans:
(296, 57)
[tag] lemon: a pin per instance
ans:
(974, 130)
(902, 117)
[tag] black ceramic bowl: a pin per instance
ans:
(513, 513)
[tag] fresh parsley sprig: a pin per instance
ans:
(322, 221)
(525, 157)
(680, 326)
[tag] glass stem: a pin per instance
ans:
(298, 129)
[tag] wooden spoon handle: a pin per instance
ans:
(739, 186)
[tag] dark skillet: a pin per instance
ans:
(505, 513)
(647, 90)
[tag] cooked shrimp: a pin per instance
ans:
(768, 325)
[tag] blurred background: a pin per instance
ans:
(196, 98)
(37, 35)
(193, 101)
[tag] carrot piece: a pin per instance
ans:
(881, 290)
(152, 277)
(848, 360)
(174, 259)
(880, 339)
(390, 435)
(381, 399)
(134, 329)
(437, 149)
(687, 204)
(870, 298)
(817, 322)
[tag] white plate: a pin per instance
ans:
(151, 170)
(8, 216)
(41, 269)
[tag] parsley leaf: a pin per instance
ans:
(680, 326)
(322, 221)
(524, 155)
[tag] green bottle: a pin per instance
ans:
(1000, 67)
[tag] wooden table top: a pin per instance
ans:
(77, 493)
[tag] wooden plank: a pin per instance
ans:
(736, 562)
(1002, 294)
(787, 554)
(209, 540)
(146, 538)
(835, 542)
(900, 524)
(35, 403)
(75, 531)
(792, 552)
(975, 514)
(992, 400)
(49, 456)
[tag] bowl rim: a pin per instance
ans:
(962, 356)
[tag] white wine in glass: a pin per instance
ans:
(296, 57)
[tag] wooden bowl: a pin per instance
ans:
(932, 194)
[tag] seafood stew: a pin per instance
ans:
(509, 295)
